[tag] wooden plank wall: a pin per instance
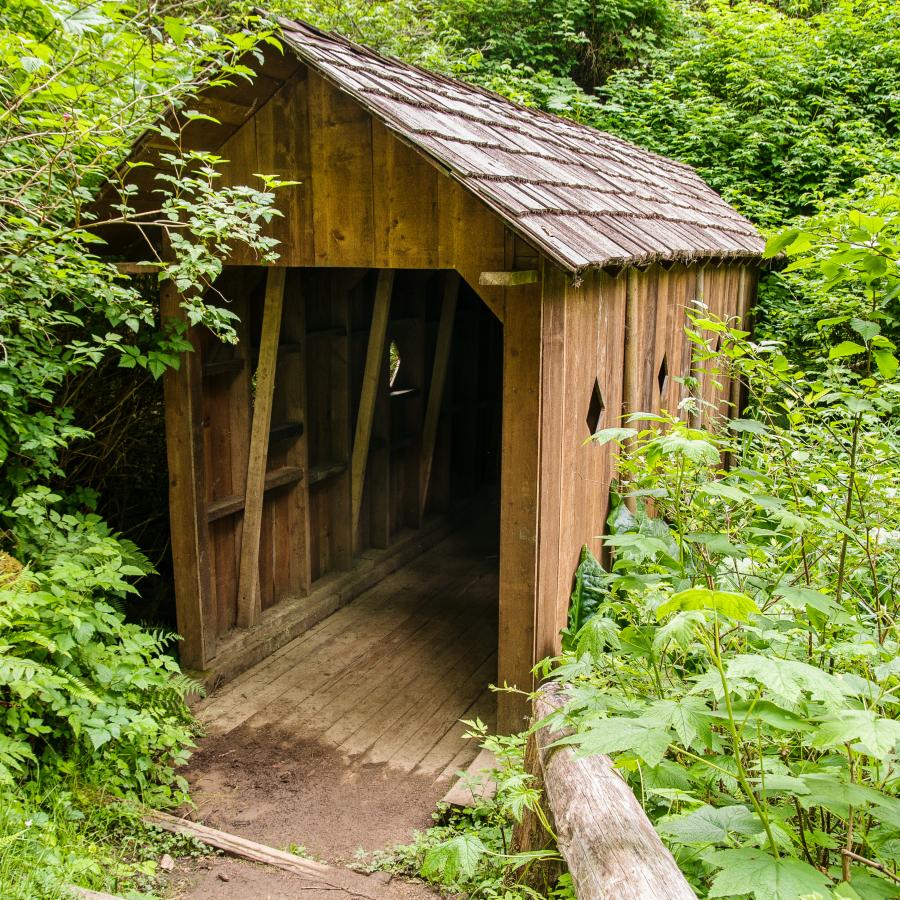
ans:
(615, 331)
(306, 531)
(406, 214)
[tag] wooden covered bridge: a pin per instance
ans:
(467, 289)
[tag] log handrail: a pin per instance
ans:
(604, 836)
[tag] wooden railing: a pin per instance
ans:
(606, 840)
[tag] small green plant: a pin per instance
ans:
(470, 850)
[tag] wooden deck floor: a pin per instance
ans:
(386, 679)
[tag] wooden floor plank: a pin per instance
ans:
(374, 713)
(386, 678)
(340, 640)
(452, 752)
(415, 740)
(417, 636)
(402, 705)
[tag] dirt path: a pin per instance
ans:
(232, 879)
(278, 790)
(272, 788)
(344, 741)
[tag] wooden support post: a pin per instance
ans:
(519, 504)
(294, 545)
(379, 468)
(371, 376)
(438, 380)
(248, 592)
(194, 601)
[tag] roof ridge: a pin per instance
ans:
(475, 88)
(508, 155)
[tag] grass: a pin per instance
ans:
(71, 834)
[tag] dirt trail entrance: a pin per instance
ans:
(343, 741)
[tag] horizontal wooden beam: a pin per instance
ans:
(275, 478)
(136, 268)
(508, 279)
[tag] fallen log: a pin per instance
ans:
(609, 845)
(324, 877)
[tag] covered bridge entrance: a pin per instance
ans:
(466, 290)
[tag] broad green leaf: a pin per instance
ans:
(866, 330)
(886, 362)
(718, 544)
(696, 449)
(639, 546)
(681, 628)
(787, 679)
(689, 716)
(728, 491)
(801, 597)
(732, 604)
(596, 636)
(769, 713)
(846, 348)
(453, 860)
(588, 592)
(766, 878)
(620, 733)
(835, 793)
(778, 242)
(754, 426)
(710, 825)
(865, 731)
(605, 435)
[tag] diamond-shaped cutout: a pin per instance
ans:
(595, 408)
(662, 377)
(394, 362)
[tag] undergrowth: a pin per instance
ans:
(472, 850)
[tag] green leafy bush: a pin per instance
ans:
(81, 688)
(741, 662)
(92, 706)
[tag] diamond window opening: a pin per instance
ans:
(662, 377)
(595, 408)
(394, 362)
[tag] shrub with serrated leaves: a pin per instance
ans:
(741, 663)
(81, 690)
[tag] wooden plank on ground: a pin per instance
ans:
(474, 784)
(438, 380)
(371, 377)
(326, 878)
(248, 592)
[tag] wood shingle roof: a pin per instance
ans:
(583, 197)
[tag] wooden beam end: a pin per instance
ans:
(508, 279)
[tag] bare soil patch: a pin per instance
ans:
(232, 879)
(280, 790)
